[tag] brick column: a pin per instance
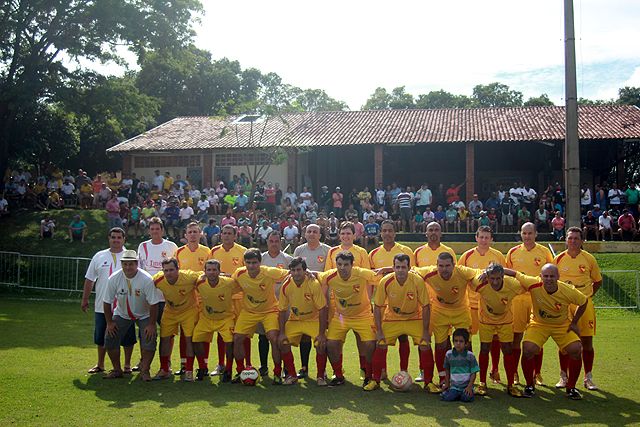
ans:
(470, 174)
(127, 164)
(378, 172)
(292, 169)
(207, 168)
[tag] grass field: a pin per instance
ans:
(46, 348)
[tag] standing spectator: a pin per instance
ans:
(394, 192)
(47, 227)
(528, 197)
(604, 226)
(68, 193)
(452, 193)
(475, 206)
(492, 202)
(262, 233)
(585, 198)
(135, 216)
(338, 198)
(350, 212)
(380, 195)
(325, 198)
(423, 198)
(464, 217)
(404, 200)
(359, 231)
(270, 198)
(558, 198)
(86, 195)
(306, 197)
(557, 223)
(158, 180)
(627, 226)
(113, 212)
(633, 197)
(278, 199)
(601, 197)
(516, 194)
(77, 229)
(172, 219)
(364, 198)
(615, 196)
(168, 181)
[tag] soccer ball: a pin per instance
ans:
(401, 381)
(249, 376)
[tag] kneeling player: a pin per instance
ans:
(217, 314)
(406, 299)
(304, 302)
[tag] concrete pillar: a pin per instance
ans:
(470, 174)
(292, 169)
(127, 164)
(378, 162)
(207, 168)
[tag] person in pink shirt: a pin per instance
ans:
(557, 223)
(337, 202)
(113, 212)
(627, 224)
(228, 219)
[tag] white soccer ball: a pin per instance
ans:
(401, 381)
(249, 376)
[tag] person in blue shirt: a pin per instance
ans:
(371, 232)
(212, 233)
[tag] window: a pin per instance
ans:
(242, 159)
(151, 161)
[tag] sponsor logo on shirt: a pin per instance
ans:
(307, 297)
(582, 268)
(356, 288)
(543, 314)
(410, 296)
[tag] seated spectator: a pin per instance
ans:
(417, 223)
(312, 214)
(135, 216)
(542, 219)
(493, 218)
(475, 206)
(86, 195)
(596, 211)
(463, 219)
(245, 234)
(381, 215)
(483, 220)
(428, 215)
(262, 233)
(524, 215)
(557, 224)
(125, 213)
(605, 226)
(291, 234)
(627, 226)
(203, 208)
(103, 196)
(77, 229)
(4, 206)
(228, 219)
(172, 219)
(350, 212)
(54, 200)
(451, 223)
(492, 202)
(590, 224)
(371, 232)
(358, 237)
(332, 232)
(439, 216)
(47, 227)
(212, 233)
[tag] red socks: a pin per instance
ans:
(363, 362)
(484, 366)
(564, 361)
(495, 354)
(221, 350)
(575, 366)
(201, 363)
(426, 363)
(528, 366)
(440, 354)
(587, 358)
(404, 351)
(289, 365)
(510, 366)
(247, 351)
(538, 358)
(164, 363)
(189, 364)
(379, 361)
(240, 365)
(337, 368)
(321, 363)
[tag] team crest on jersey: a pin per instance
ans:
(558, 306)
(235, 260)
(410, 296)
(537, 261)
(504, 301)
(137, 292)
(320, 259)
(307, 297)
(582, 268)
(356, 288)
(262, 286)
(591, 325)
(221, 297)
(455, 290)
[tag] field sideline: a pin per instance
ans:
(47, 347)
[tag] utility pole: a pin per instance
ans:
(571, 142)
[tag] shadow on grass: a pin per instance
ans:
(549, 407)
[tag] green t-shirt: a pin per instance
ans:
(77, 226)
(632, 196)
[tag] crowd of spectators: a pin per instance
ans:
(130, 201)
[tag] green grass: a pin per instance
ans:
(46, 348)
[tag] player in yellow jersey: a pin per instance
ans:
(527, 258)
(217, 313)
(405, 299)
(580, 269)
(303, 311)
(348, 285)
(259, 305)
(181, 312)
(230, 255)
(496, 294)
(480, 257)
(551, 300)
(192, 257)
(449, 306)
(381, 257)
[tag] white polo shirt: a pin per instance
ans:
(102, 265)
(133, 296)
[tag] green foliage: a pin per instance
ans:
(443, 99)
(539, 101)
(496, 95)
(629, 96)
(398, 99)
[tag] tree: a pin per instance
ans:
(35, 37)
(443, 99)
(317, 100)
(629, 96)
(496, 95)
(379, 100)
(400, 100)
(539, 101)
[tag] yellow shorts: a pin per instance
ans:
(587, 323)
(475, 321)
(521, 309)
(248, 322)
(443, 321)
(295, 329)
(172, 322)
(338, 328)
(539, 334)
(393, 329)
(504, 332)
(205, 328)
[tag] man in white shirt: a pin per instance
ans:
(604, 225)
(515, 194)
(614, 196)
(291, 234)
(423, 198)
(291, 195)
(136, 302)
(263, 233)
(585, 198)
(103, 264)
(305, 196)
(203, 209)
(158, 180)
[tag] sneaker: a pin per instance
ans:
(516, 379)
(371, 385)
(574, 394)
(481, 389)
(495, 377)
(363, 374)
(420, 377)
(179, 372)
(383, 375)
(562, 382)
(321, 382)
(218, 370)
(290, 380)
(302, 374)
(529, 391)
(513, 391)
(145, 376)
(113, 374)
(162, 375)
(236, 379)
(539, 380)
(264, 371)
(136, 368)
(226, 377)
(589, 384)
(201, 373)
(432, 388)
(336, 381)
(188, 376)
(277, 380)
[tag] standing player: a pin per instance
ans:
(217, 313)
(181, 313)
(314, 254)
(479, 258)
(348, 285)
(303, 301)
(527, 258)
(383, 256)
(192, 257)
(450, 305)
(102, 265)
(579, 268)
(551, 300)
(260, 305)
(407, 312)
(231, 257)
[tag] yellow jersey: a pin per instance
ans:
(179, 297)
(403, 301)
(230, 260)
(580, 271)
(351, 297)
(425, 256)
(495, 306)
(380, 257)
(260, 291)
(448, 295)
(217, 301)
(527, 261)
(474, 259)
(361, 257)
(304, 301)
(192, 260)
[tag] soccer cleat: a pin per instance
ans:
(180, 372)
(481, 389)
(226, 377)
(201, 373)
(236, 379)
(162, 375)
(574, 394)
(529, 391)
(371, 385)
(136, 368)
(539, 380)
(516, 379)
(363, 373)
(321, 382)
(589, 384)
(495, 377)
(218, 370)
(336, 381)
(188, 376)
(432, 388)
(383, 375)
(277, 380)
(302, 373)
(420, 377)
(513, 391)
(290, 380)
(562, 382)
(264, 371)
